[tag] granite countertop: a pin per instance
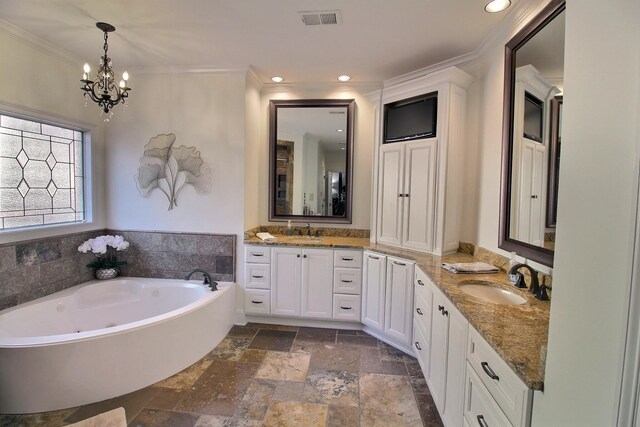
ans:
(518, 333)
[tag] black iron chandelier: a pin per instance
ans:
(104, 91)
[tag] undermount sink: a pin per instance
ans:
(486, 292)
(306, 238)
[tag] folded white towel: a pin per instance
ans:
(470, 267)
(265, 237)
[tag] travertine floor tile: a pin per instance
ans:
(52, 418)
(390, 353)
(360, 341)
(230, 348)
(132, 404)
(331, 387)
(221, 421)
(289, 391)
(295, 414)
(343, 416)
(256, 400)
(284, 366)
(387, 400)
(154, 418)
(320, 335)
(186, 378)
(273, 340)
(333, 357)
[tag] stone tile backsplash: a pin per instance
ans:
(36, 268)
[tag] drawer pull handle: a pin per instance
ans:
(418, 345)
(420, 282)
(489, 371)
(482, 422)
(373, 257)
(441, 309)
(445, 313)
(256, 302)
(399, 263)
(346, 259)
(345, 308)
(346, 281)
(257, 277)
(419, 311)
(256, 254)
(298, 256)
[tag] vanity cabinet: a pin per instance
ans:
(493, 390)
(387, 298)
(407, 194)
(422, 317)
(257, 273)
(347, 284)
(302, 281)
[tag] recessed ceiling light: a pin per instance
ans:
(277, 79)
(497, 6)
(344, 78)
(339, 130)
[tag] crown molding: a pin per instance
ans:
(187, 70)
(252, 75)
(39, 43)
(521, 13)
(291, 88)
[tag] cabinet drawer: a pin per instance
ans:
(509, 392)
(479, 407)
(346, 307)
(421, 347)
(423, 285)
(257, 276)
(257, 301)
(259, 254)
(422, 313)
(347, 280)
(347, 258)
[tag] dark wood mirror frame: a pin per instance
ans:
(274, 105)
(534, 253)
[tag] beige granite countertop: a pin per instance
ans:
(518, 333)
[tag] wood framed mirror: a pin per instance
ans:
(311, 160)
(534, 78)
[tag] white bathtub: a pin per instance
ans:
(104, 339)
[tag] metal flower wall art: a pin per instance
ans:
(170, 169)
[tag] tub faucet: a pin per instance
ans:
(534, 287)
(207, 279)
(308, 230)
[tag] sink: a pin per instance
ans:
(305, 238)
(487, 291)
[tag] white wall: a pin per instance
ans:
(252, 166)
(363, 147)
(598, 179)
(204, 111)
(56, 98)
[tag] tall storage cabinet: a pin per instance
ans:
(418, 185)
(407, 194)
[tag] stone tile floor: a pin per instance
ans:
(269, 375)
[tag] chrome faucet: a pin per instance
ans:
(206, 278)
(308, 230)
(540, 292)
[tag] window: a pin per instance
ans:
(41, 174)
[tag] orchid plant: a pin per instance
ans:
(105, 248)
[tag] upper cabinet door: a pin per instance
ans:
(317, 283)
(286, 278)
(373, 274)
(390, 194)
(419, 190)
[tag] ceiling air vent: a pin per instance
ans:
(325, 17)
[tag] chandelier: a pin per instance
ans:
(104, 91)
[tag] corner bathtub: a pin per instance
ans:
(104, 339)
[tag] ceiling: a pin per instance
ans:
(375, 40)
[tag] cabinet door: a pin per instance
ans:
(419, 189)
(317, 283)
(456, 363)
(374, 267)
(399, 300)
(439, 344)
(390, 194)
(286, 278)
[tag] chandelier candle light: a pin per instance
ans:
(103, 91)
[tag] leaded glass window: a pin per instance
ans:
(41, 174)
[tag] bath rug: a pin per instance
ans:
(113, 418)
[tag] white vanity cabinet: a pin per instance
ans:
(347, 284)
(387, 298)
(422, 318)
(257, 273)
(301, 282)
(493, 390)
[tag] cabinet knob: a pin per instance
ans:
(445, 313)
(298, 256)
(304, 256)
(418, 345)
(487, 370)
(419, 311)
(420, 282)
(534, 196)
(440, 308)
